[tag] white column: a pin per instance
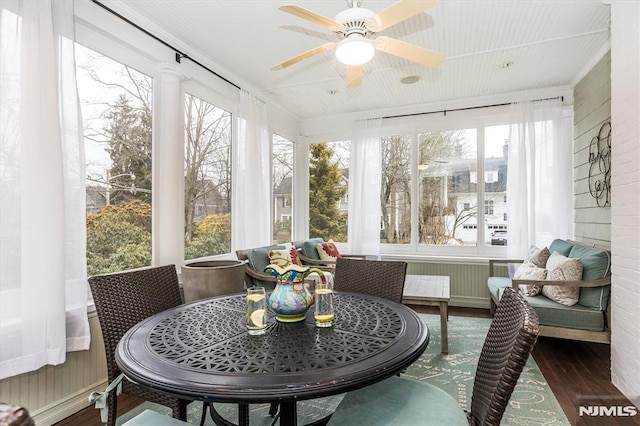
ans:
(168, 168)
(301, 192)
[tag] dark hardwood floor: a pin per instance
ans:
(572, 369)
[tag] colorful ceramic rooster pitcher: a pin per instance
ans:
(291, 298)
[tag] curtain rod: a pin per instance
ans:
(179, 54)
(444, 111)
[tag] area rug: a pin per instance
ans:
(532, 402)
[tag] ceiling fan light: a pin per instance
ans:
(355, 50)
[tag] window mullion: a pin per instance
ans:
(414, 190)
(480, 187)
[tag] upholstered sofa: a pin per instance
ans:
(586, 320)
(309, 254)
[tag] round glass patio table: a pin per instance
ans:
(202, 351)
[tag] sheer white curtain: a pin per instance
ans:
(365, 173)
(251, 206)
(43, 285)
(540, 176)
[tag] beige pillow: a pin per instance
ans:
(529, 271)
(328, 250)
(538, 256)
(562, 268)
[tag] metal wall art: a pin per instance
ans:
(600, 166)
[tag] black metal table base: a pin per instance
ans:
(243, 415)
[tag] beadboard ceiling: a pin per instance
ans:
(550, 43)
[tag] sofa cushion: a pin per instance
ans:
(309, 248)
(284, 257)
(259, 257)
(554, 314)
(596, 264)
(398, 401)
(529, 271)
(496, 284)
(561, 246)
(562, 268)
(538, 256)
(328, 250)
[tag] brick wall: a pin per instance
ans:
(625, 210)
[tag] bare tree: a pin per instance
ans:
(207, 158)
(396, 189)
(125, 127)
(282, 158)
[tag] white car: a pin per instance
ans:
(499, 238)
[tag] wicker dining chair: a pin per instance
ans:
(122, 300)
(510, 339)
(382, 278)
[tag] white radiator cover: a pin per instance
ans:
(468, 281)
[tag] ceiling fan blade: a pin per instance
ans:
(303, 56)
(354, 76)
(408, 51)
(397, 12)
(303, 13)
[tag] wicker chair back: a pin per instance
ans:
(380, 278)
(124, 299)
(510, 340)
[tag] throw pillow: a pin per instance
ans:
(284, 258)
(562, 268)
(538, 256)
(328, 250)
(529, 271)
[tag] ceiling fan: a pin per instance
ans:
(355, 27)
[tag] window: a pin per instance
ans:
(491, 176)
(443, 188)
(328, 185)
(282, 187)
(447, 165)
(496, 149)
(207, 177)
(285, 224)
(396, 189)
(116, 108)
(488, 207)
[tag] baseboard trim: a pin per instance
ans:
(63, 408)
